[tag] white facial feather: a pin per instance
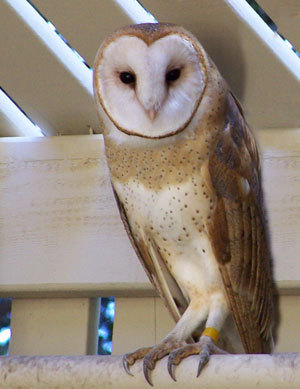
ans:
(174, 102)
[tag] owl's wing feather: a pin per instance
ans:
(155, 268)
(238, 231)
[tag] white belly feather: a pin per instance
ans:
(176, 218)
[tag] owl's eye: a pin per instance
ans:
(127, 78)
(173, 75)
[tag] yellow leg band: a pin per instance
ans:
(212, 333)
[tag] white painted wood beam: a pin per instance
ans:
(53, 326)
(61, 233)
(13, 122)
(276, 371)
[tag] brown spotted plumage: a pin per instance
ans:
(187, 181)
(238, 231)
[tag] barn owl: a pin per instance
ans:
(186, 175)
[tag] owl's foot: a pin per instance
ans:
(204, 348)
(151, 355)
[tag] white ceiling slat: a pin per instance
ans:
(270, 93)
(274, 43)
(286, 14)
(42, 84)
(86, 24)
(13, 122)
(55, 100)
(39, 82)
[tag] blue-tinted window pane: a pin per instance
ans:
(107, 314)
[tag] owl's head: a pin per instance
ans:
(150, 78)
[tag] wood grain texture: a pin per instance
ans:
(54, 326)
(59, 220)
(61, 234)
(281, 182)
(134, 324)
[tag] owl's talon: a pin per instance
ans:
(147, 370)
(203, 358)
(171, 369)
(130, 358)
(158, 352)
(176, 356)
(207, 348)
(126, 365)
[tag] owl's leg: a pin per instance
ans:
(206, 346)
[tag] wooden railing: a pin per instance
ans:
(63, 245)
(223, 371)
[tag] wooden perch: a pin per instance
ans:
(230, 371)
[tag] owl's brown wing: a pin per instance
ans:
(238, 231)
(155, 267)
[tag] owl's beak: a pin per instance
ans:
(151, 113)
